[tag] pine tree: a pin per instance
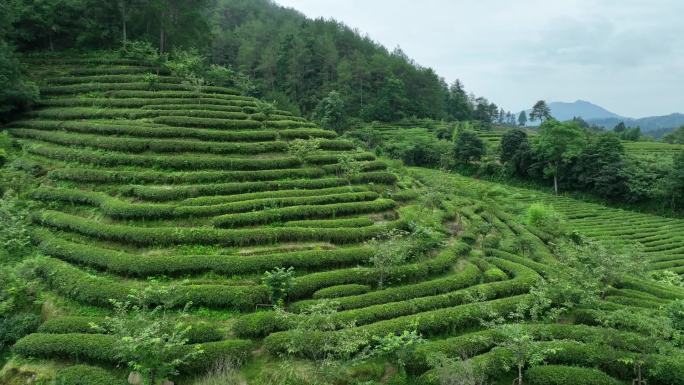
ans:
(522, 119)
(540, 112)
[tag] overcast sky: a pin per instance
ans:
(625, 55)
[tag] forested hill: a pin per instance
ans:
(309, 58)
(299, 60)
(290, 59)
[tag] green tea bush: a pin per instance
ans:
(545, 218)
(100, 348)
(125, 78)
(149, 102)
(80, 113)
(176, 162)
(331, 223)
(116, 208)
(199, 332)
(86, 375)
(89, 175)
(494, 274)
(434, 322)
(15, 326)
(227, 95)
(17, 93)
(97, 290)
(149, 236)
(219, 199)
(139, 50)
(137, 145)
(302, 212)
(492, 241)
(567, 375)
(411, 273)
(84, 88)
(373, 306)
(341, 291)
(332, 158)
(182, 121)
(475, 343)
(203, 190)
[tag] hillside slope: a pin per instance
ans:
(168, 188)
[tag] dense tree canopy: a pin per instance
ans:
(468, 147)
(558, 144)
(540, 112)
(292, 60)
(675, 137)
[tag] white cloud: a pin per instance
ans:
(626, 55)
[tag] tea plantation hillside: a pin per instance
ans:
(141, 182)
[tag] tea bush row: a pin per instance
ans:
(166, 236)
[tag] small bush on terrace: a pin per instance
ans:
(545, 218)
(139, 50)
(602, 265)
(86, 375)
(524, 351)
(317, 323)
(349, 167)
(16, 92)
(185, 63)
(303, 148)
(152, 80)
(330, 112)
(461, 371)
(221, 76)
(278, 282)
(390, 249)
(398, 348)
(149, 338)
(14, 227)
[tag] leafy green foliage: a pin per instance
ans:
(390, 250)
(603, 264)
(524, 352)
(330, 112)
(318, 321)
(540, 112)
(86, 375)
(567, 375)
(457, 371)
(16, 326)
(14, 226)
(675, 137)
(522, 119)
(675, 312)
(545, 218)
(152, 80)
(278, 282)
(468, 147)
(139, 50)
(558, 144)
(398, 348)
(149, 338)
(16, 91)
(303, 148)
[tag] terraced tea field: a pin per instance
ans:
(656, 150)
(198, 191)
(661, 237)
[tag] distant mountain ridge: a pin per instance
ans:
(588, 111)
(597, 115)
(662, 124)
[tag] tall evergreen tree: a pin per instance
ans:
(540, 112)
(558, 144)
(522, 119)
